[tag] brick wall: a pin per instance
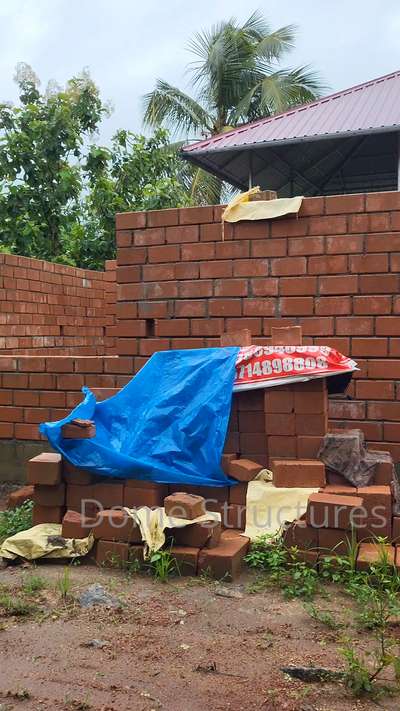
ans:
(52, 308)
(334, 270)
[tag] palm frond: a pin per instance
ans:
(273, 45)
(256, 26)
(168, 105)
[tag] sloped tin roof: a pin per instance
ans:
(370, 107)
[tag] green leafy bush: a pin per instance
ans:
(15, 520)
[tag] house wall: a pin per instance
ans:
(334, 270)
(53, 308)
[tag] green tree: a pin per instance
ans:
(237, 78)
(41, 144)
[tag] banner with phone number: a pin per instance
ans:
(266, 366)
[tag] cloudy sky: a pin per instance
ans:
(127, 44)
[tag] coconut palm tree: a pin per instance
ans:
(236, 78)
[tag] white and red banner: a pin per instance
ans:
(267, 366)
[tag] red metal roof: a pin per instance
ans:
(370, 107)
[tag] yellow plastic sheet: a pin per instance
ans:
(242, 208)
(44, 541)
(268, 507)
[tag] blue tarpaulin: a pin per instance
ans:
(168, 424)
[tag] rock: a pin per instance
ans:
(223, 591)
(96, 643)
(97, 595)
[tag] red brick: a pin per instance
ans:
(197, 535)
(231, 287)
(382, 201)
(301, 536)
(49, 495)
(142, 238)
(216, 270)
(387, 326)
(306, 286)
(176, 235)
(116, 525)
(225, 307)
(367, 347)
(190, 309)
(333, 264)
(186, 558)
(157, 272)
(280, 424)
(225, 560)
(327, 225)
(172, 327)
(74, 475)
(338, 284)
(307, 473)
(296, 306)
(372, 263)
(250, 268)
(244, 469)
(355, 326)
(310, 400)
(44, 469)
(162, 290)
(196, 289)
(18, 380)
(130, 220)
(311, 425)
(345, 244)
(23, 431)
(286, 336)
(384, 468)
(7, 364)
(235, 517)
(112, 554)
(18, 497)
(379, 284)
(372, 304)
(154, 309)
(338, 204)
(269, 248)
(333, 305)
(207, 326)
(343, 409)
(254, 442)
(251, 421)
(288, 265)
(373, 553)
(264, 287)
(74, 525)
(232, 250)
(81, 498)
(162, 218)
(384, 411)
(125, 310)
(108, 494)
(290, 227)
(333, 540)
(259, 229)
(132, 255)
(32, 365)
(391, 431)
(184, 505)
(305, 246)
(141, 494)
(196, 215)
(194, 252)
(47, 514)
(279, 399)
(308, 446)
(385, 369)
(164, 253)
(238, 493)
(187, 270)
(258, 307)
(396, 532)
(312, 206)
(374, 390)
(332, 511)
(385, 242)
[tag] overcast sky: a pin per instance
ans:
(127, 44)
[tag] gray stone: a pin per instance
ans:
(97, 595)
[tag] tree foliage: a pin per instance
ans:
(59, 190)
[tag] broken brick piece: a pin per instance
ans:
(47, 514)
(286, 336)
(49, 495)
(306, 473)
(330, 511)
(197, 535)
(44, 469)
(334, 541)
(18, 497)
(74, 475)
(225, 560)
(116, 525)
(240, 338)
(135, 497)
(301, 535)
(186, 558)
(373, 553)
(112, 554)
(244, 469)
(183, 505)
(74, 525)
(78, 429)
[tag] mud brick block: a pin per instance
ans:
(311, 398)
(47, 514)
(279, 399)
(116, 525)
(18, 497)
(282, 447)
(306, 473)
(244, 469)
(378, 507)
(134, 496)
(333, 540)
(49, 495)
(224, 561)
(384, 468)
(372, 553)
(308, 446)
(112, 554)
(81, 499)
(226, 459)
(109, 494)
(312, 424)
(237, 338)
(79, 429)
(74, 475)
(330, 511)
(396, 529)
(197, 535)
(74, 525)
(286, 336)
(340, 490)
(301, 535)
(186, 558)
(44, 469)
(238, 493)
(184, 505)
(236, 517)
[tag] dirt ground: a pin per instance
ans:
(156, 650)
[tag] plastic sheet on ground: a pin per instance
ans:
(268, 507)
(168, 424)
(44, 541)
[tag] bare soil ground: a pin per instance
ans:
(159, 646)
